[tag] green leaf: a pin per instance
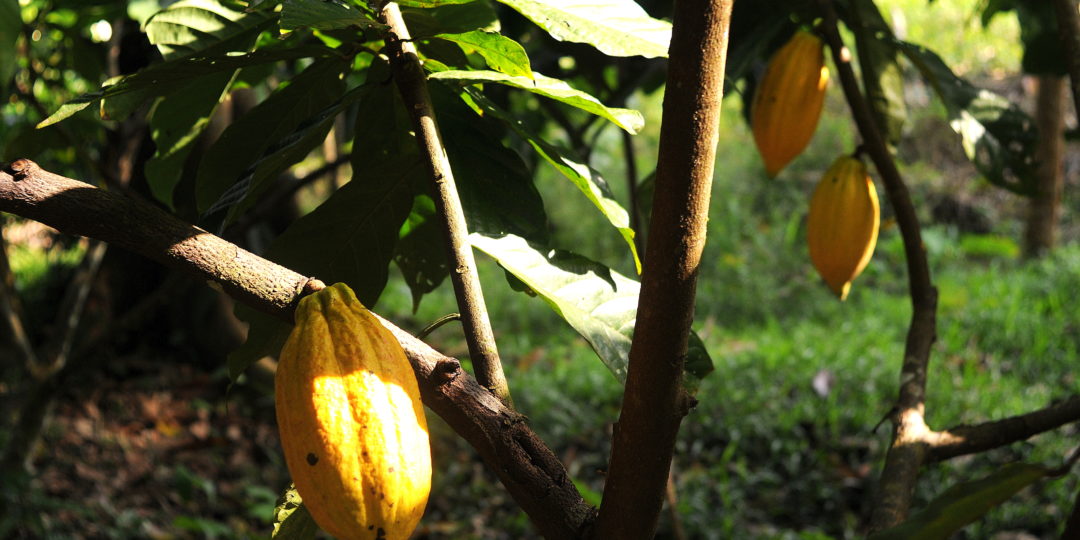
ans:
(589, 181)
(1043, 52)
(598, 303)
(323, 15)
(190, 26)
(431, 3)
(965, 503)
(615, 27)
(10, 26)
(292, 521)
(175, 122)
(997, 136)
(266, 335)
(501, 53)
(421, 250)
(270, 137)
(162, 79)
(629, 120)
(882, 76)
(451, 19)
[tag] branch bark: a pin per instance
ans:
(908, 450)
(654, 402)
(963, 440)
(1069, 32)
(412, 84)
(530, 471)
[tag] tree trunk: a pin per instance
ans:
(1045, 204)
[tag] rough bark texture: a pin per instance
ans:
(531, 472)
(412, 84)
(909, 446)
(962, 440)
(654, 402)
(1044, 206)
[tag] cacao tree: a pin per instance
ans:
(200, 120)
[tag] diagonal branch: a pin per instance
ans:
(655, 402)
(530, 471)
(963, 440)
(908, 450)
(412, 84)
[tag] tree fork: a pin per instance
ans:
(532, 474)
(654, 402)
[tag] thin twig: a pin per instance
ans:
(412, 84)
(531, 473)
(655, 401)
(963, 440)
(908, 450)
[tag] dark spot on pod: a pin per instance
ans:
(391, 469)
(312, 459)
(370, 527)
(381, 533)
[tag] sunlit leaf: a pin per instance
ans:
(190, 26)
(501, 53)
(882, 75)
(615, 27)
(292, 521)
(629, 120)
(451, 18)
(323, 15)
(598, 303)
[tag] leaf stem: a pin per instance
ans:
(412, 84)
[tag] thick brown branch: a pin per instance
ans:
(963, 440)
(412, 84)
(908, 449)
(655, 403)
(531, 472)
(1068, 20)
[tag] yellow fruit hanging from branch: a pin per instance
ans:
(351, 422)
(788, 99)
(842, 226)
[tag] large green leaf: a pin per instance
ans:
(323, 15)
(451, 18)
(964, 503)
(270, 137)
(176, 121)
(501, 53)
(421, 249)
(164, 78)
(629, 120)
(10, 26)
(615, 27)
(598, 303)
(190, 26)
(881, 73)
(589, 181)
(997, 136)
(292, 521)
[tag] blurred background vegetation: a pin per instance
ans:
(783, 441)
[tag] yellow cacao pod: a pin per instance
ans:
(351, 423)
(842, 227)
(788, 99)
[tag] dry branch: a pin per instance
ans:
(962, 440)
(530, 471)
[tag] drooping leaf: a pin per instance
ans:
(190, 26)
(10, 26)
(997, 136)
(614, 27)
(292, 521)
(881, 73)
(451, 18)
(421, 250)
(964, 503)
(494, 184)
(598, 303)
(323, 15)
(175, 122)
(587, 180)
(251, 149)
(1043, 53)
(501, 53)
(162, 79)
(629, 120)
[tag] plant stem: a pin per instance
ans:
(1069, 32)
(655, 402)
(908, 450)
(412, 84)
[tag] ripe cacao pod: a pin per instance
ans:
(788, 99)
(842, 227)
(351, 422)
